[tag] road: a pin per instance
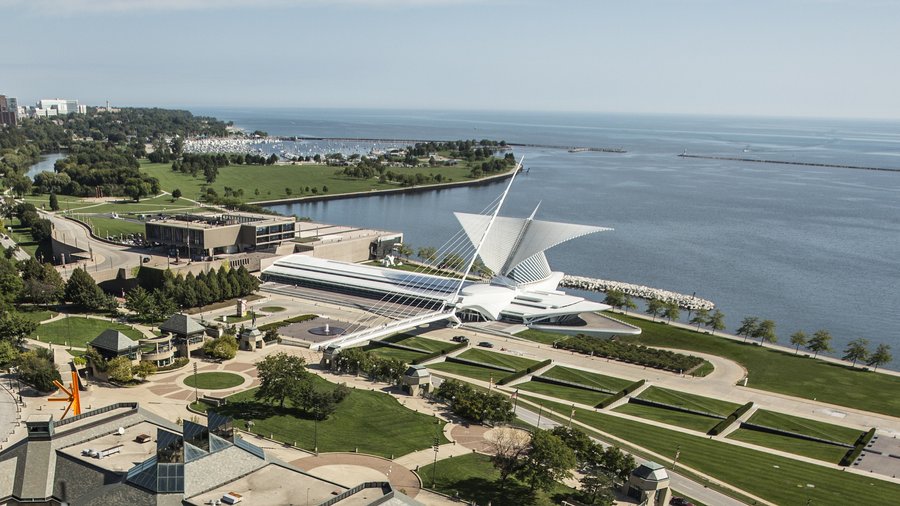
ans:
(105, 255)
(678, 482)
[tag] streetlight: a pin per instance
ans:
(677, 454)
(540, 412)
(437, 444)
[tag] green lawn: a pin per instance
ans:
(36, 315)
(271, 181)
(214, 380)
(777, 479)
(474, 478)
(587, 378)
(78, 331)
(689, 401)
(390, 352)
(152, 205)
(111, 227)
(65, 201)
(373, 422)
(422, 343)
(22, 236)
(805, 426)
(542, 337)
(470, 371)
(271, 309)
(812, 449)
(687, 420)
(501, 359)
(781, 371)
(574, 394)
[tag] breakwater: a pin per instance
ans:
(787, 162)
(643, 292)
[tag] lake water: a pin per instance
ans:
(46, 163)
(807, 247)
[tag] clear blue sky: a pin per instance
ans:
(783, 57)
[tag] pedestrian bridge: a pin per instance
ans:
(360, 336)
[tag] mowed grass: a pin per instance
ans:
(78, 331)
(573, 394)
(670, 416)
(389, 352)
(777, 479)
(782, 371)
(814, 428)
(500, 359)
(152, 205)
(112, 227)
(36, 315)
(373, 422)
(472, 477)
(590, 379)
(213, 380)
(689, 401)
(271, 181)
(821, 451)
(469, 371)
(422, 343)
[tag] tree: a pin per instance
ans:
(615, 298)
(655, 307)
(176, 194)
(144, 369)
(14, 328)
(856, 350)
(279, 376)
(41, 230)
(508, 446)
(221, 348)
(629, 304)
(881, 356)
(765, 331)
(798, 339)
(701, 317)
(54, 202)
(748, 327)
(82, 290)
(821, 341)
(141, 302)
(8, 354)
(547, 461)
(37, 369)
(586, 451)
(119, 369)
(427, 253)
(716, 321)
(616, 463)
(671, 311)
(598, 488)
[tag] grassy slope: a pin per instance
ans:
(469, 371)
(474, 478)
(541, 337)
(271, 180)
(423, 343)
(563, 392)
(501, 359)
(751, 470)
(587, 378)
(389, 352)
(371, 421)
(79, 331)
(799, 425)
(687, 420)
(783, 372)
(821, 451)
(689, 401)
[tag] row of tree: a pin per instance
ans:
(284, 377)
(358, 360)
(475, 405)
(110, 169)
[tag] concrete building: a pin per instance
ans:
(58, 107)
(186, 333)
(416, 379)
(251, 339)
(207, 234)
(9, 111)
(649, 484)
(122, 454)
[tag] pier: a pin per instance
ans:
(787, 162)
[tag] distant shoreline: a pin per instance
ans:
(391, 191)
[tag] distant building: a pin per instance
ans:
(121, 454)
(9, 111)
(207, 234)
(57, 107)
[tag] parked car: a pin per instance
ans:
(460, 339)
(680, 501)
(486, 344)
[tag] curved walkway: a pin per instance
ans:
(353, 468)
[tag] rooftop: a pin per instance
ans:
(113, 340)
(182, 325)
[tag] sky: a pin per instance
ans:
(820, 58)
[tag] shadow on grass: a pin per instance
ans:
(514, 493)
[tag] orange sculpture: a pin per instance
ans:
(72, 398)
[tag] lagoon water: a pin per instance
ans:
(807, 247)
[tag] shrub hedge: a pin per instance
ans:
(284, 323)
(631, 353)
(528, 370)
(625, 391)
(724, 424)
(860, 445)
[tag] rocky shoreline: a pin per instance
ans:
(644, 292)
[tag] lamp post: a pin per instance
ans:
(540, 412)
(437, 444)
(196, 393)
(316, 432)
(677, 454)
